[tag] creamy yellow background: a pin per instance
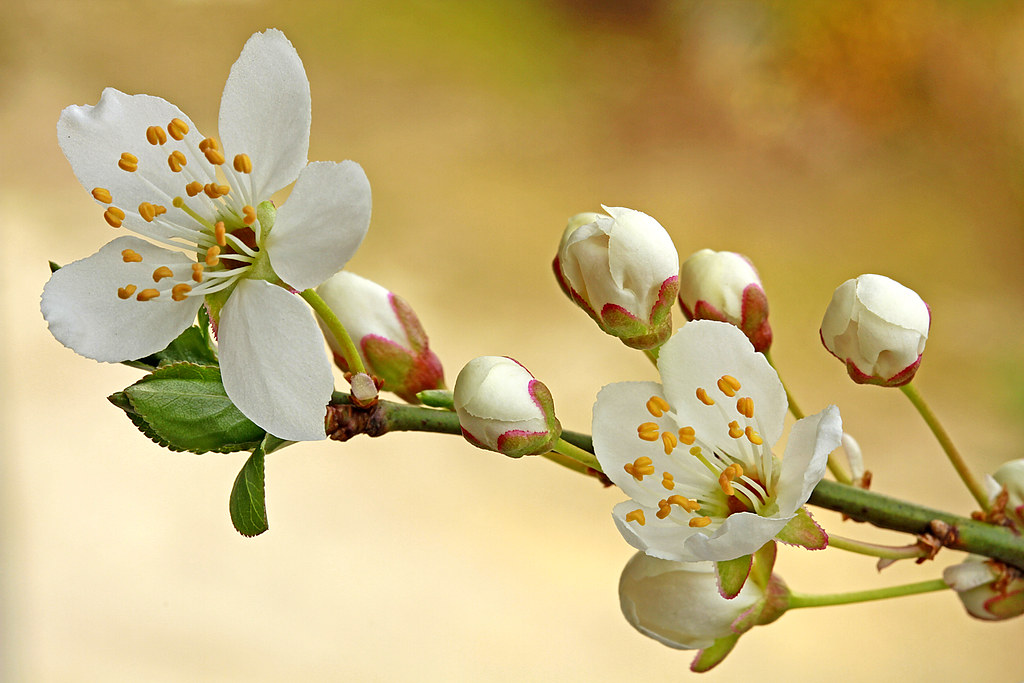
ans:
(823, 142)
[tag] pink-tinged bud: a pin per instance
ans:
(878, 328)
(725, 286)
(387, 333)
(988, 589)
(501, 407)
(623, 270)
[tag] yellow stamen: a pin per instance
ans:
(147, 294)
(194, 188)
(648, 431)
(687, 435)
(745, 407)
(178, 129)
(147, 211)
(664, 509)
(126, 291)
(636, 516)
(737, 470)
(753, 437)
(698, 522)
(668, 481)
(131, 256)
(176, 160)
(242, 163)
(639, 468)
(162, 272)
(220, 233)
(102, 195)
(735, 431)
(214, 156)
(197, 272)
(213, 190)
(208, 143)
(180, 291)
(249, 215)
(684, 502)
(156, 135)
(657, 406)
(128, 162)
(725, 483)
(728, 385)
(211, 256)
(113, 216)
(703, 397)
(669, 439)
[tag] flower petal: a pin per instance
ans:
(740, 534)
(803, 464)
(655, 537)
(273, 362)
(93, 138)
(265, 111)
(321, 225)
(701, 353)
(81, 304)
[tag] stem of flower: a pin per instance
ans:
(973, 485)
(874, 550)
(577, 454)
(800, 600)
(834, 465)
(348, 349)
(652, 355)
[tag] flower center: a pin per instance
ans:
(706, 483)
(212, 216)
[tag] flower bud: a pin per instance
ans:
(623, 270)
(1010, 476)
(725, 286)
(988, 589)
(386, 332)
(678, 603)
(502, 408)
(878, 328)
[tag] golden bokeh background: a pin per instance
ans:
(822, 139)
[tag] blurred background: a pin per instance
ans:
(821, 139)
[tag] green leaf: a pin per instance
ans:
(710, 657)
(732, 574)
(190, 346)
(804, 532)
(185, 408)
(248, 502)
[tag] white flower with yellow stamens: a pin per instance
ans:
(155, 175)
(694, 453)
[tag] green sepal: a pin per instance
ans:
(248, 502)
(184, 407)
(54, 267)
(710, 657)
(764, 562)
(732, 574)
(803, 531)
(437, 398)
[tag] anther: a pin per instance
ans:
(242, 163)
(102, 195)
(684, 502)
(211, 256)
(128, 162)
(703, 397)
(208, 143)
(687, 435)
(131, 256)
(745, 407)
(194, 188)
(113, 216)
(249, 215)
(636, 516)
(162, 272)
(126, 291)
(214, 156)
(180, 291)
(178, 129)
(669, 439)
(197, 272)
(664, 509)
(639, 468)
(698, 522)
(648, 431)
(147, 211)
(725, 483)
(668, 481)
(657, 406)
(728, 385)
(213, 190)
(147, 294)
(156, 135)
(753, 437)
(735, 431)
(176, 160)
(220, 233)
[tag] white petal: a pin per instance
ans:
(655, 537)
(641, 255)
(697, 356)
(621, 408)
(273, 361)
(94, 137)
(265, 111)
(81, 304)
(321, 225)
(740, 534)
(803, 465)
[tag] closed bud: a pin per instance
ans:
(878, 328)
(1010, 477)
(725, 286)
(623, 270)
(386, 332)
(501, 407)
(988, 589)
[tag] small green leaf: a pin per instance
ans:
(189, 347)
(184, 407)
(732, 574)
(710, 657)
(248, 502)
(804, 532)
(764, 562)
